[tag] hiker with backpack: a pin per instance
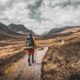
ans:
(30, 49)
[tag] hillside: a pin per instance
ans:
(13, 30)
(62, 61)
(58, 32)
(4, 36)
(4, 28)
(19, 28)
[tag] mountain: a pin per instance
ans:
(12, 31)
(61, 31)
(19, 28)
(4, 28)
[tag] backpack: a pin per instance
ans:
(30, 43)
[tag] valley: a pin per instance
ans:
(58, 55)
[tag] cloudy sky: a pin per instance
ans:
(40, 15)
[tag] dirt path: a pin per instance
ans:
(21, 71)
(34, 72)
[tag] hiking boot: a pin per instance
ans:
(33, 61)
(30, 64)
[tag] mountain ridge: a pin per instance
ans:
(20, 28)
(61, 31)
(14, 29)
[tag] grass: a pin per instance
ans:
(62, 62)
(5, 63)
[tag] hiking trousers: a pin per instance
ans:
(31, 56)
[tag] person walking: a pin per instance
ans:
(30, 49)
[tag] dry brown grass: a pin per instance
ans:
(56, 41)
(11, 47)
(62, 62)
(10, 52)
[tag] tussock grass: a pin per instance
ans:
(62, 62)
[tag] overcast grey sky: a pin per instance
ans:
(40, 15)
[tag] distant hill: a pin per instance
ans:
(5, 36)
(4, 28)
(61, 32)
(62, 62)
(19, 28)
(13, 31)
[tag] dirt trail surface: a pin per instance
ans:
(21, 71)
(33, 72)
